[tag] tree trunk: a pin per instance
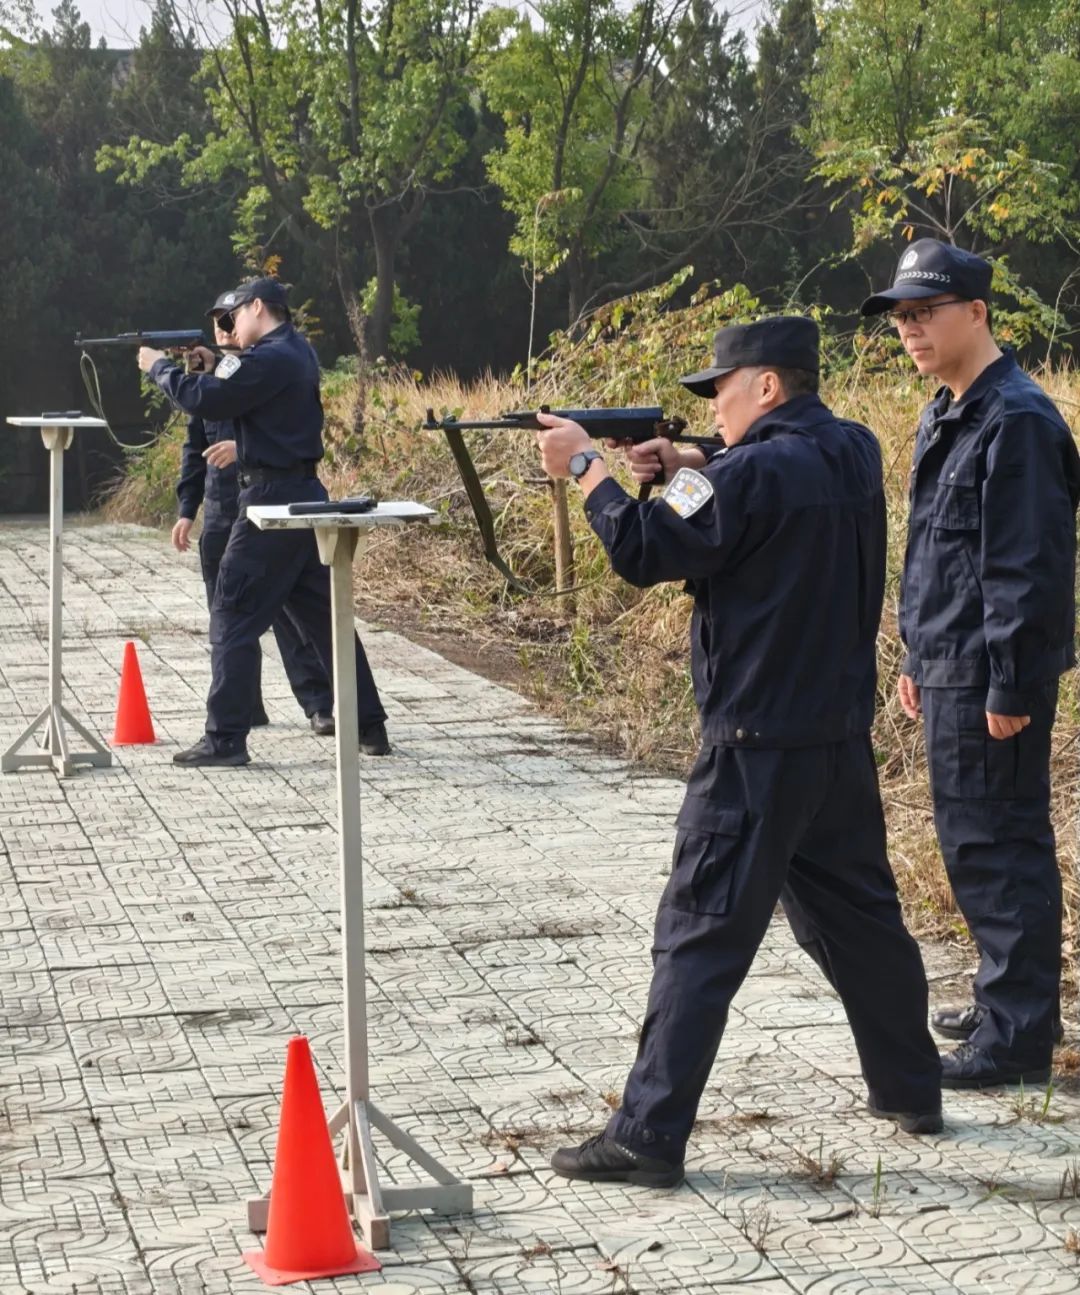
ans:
(577, 284)
(386, 231)
(354, 313)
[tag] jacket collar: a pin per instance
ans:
(798, 414)
(273, 334)
(944, 406)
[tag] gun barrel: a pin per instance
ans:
(160, 339)
(434, 424)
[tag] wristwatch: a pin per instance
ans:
(579, 463)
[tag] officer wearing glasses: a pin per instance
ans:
(987, 618)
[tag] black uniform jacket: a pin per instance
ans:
(786, 563)
(987, 597)
(271, 389)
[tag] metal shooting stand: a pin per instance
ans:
(57, 432)
(339, 537)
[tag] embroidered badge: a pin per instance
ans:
(687, 492)
(227, 366)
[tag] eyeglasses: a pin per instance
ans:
(919, 314)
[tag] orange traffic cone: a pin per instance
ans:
(308, 1234)
(133, 723)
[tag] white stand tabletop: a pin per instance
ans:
(56, 420)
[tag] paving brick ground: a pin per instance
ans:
(163, 933)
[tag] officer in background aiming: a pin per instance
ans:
(987, 614)
(781, 538)
(208, 479)
(271, 390)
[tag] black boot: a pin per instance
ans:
(970, 1067)
(962, 1022)
(322, 724)
(203, 756)
(373, 739)
(599, 1160)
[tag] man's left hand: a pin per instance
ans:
(148, 357)
(221, 454)
(560, 440)
(1003, 726)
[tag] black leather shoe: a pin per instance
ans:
(203, 756)
(917, 1122)
(259, 717)
(970, 1067)
(957, 1022)
(962, 1022)
(322, 724)
(373, 740)
(599, 1160)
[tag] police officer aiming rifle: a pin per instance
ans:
(781, 538)
(208, 479)
(270, 390)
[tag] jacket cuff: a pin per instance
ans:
(910, 665)
(1000, 701)
(607, 492)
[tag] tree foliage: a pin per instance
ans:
(440, 182)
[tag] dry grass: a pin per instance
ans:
(616, 665)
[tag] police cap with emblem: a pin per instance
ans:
(785, 342)
(268, 290)
(929, 268)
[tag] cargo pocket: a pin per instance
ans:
(238, 582)
(972, 737)
(707, 846)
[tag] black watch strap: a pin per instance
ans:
(581, 462)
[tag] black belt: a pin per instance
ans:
(263, 476)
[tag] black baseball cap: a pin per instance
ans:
(788, 342)
(929, 268)
(272, 291)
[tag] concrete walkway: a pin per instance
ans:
(164, 932)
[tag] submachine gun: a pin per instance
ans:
(636, 425)
(160, 339)
(169, 339)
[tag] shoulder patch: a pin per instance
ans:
(227, 366)
(687, 492)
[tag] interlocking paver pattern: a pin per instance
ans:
(163, 932)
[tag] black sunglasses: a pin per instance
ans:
(227, 321)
